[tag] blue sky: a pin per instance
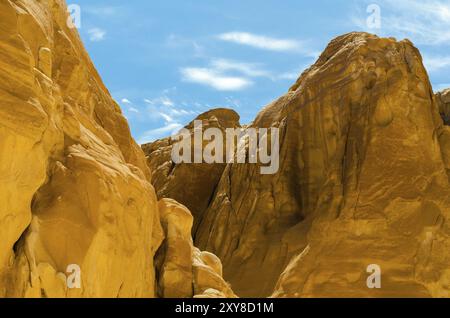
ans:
(167, 61)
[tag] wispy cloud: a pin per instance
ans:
(215, 79)
(436, 63)
(163, 100)
(267, 43)
(248, 69)
(424, 22)
(128, 106)
(154, 134)
(96, 34)
(104, 11)
(177, 42)
(169, 115)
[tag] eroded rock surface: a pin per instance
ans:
(362, 181)
(75, 187)
(183, 270)
(74, 184)
(443, 100)
(190, 184)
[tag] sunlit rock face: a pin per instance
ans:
(74, 184)
(190, 184)
(362, 181)
(75, 194)
(184, 271)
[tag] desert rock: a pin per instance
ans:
(74, 184)
(362, 181)
(183, 270)
(190, 184)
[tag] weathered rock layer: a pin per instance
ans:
(362, 180)
(75, 190)
(191, 184)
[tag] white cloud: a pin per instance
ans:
(164, 101)
(424, 22)
(215, 79)
(177, 42)
(267, 43)
(154, 134)
(103, 11)
(96, 34)
(249, 69)
(229, 75)
(436, 63)
(167, 118)
(125, 101)
(133, 110)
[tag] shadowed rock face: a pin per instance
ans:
(443, 101)
(362, 181)
(75, 186)
(190, 184)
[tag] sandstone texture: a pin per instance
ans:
(75, 187)
(363, 180)
(191, 184)
(443, 100)
(184, 271)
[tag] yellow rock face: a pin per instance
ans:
(191, 184)
(78, 215)
(362, 181)
(183, 270)
(74, 187)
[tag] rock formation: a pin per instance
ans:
(443, 100)
(191, 184)
(183, 270)
(362, 181)
(75, 191)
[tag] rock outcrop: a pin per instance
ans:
(184, 271)
(190, 184)
(443, 100)
(362, 181)
(75, 187)
(78, 214)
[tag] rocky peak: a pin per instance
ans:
(190, 184)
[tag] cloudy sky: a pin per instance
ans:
(167, 61)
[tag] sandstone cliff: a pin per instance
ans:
(191, 184)
(443, 100)
(363, 180)
(75, 186)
